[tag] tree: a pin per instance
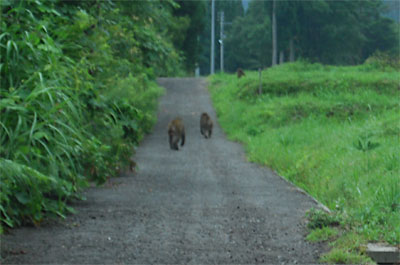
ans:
(343, 32)
(330, 32)
(249, 40)
(193, 12)
(380, 31)
(274, 35)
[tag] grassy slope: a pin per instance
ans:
(334, 131)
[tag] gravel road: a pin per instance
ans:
(203, 204)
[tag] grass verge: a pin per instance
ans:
(333, 131)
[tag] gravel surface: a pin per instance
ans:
(202, 204)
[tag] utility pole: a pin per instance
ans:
(221, 41)
(212, 67)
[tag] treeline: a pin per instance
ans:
(328, 32)
(77, 94)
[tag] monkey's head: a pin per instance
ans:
(240, 72)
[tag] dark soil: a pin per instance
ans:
(202, 204)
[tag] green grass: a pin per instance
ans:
(322, 234)
(341, 256)
(333, 131)
(349, 248)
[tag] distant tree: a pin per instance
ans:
(330, 32)
(274, 35)
(189, 44)
(343, 32)
(288, 27)
(249, 39)
(380, 31)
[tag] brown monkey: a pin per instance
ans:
(240, 73)
(176, 132)
(206, 125)
(132, 165)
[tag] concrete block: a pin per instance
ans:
(383, 254)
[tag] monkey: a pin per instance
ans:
(132, 165)
(176, 132)
(240, 73)
(206, 125)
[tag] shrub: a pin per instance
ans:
(77, 94)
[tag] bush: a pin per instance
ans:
(77, 94)
(383, 61)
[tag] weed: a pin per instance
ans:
(340, 256)
(322, 234)
(320, 219)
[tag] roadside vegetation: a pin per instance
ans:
(333, 131)
(77, 94)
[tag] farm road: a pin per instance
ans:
(202, 204)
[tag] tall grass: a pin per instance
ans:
(334, 131)
(71, 109)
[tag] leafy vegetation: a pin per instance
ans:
(333, 131)
(191, 13)
(329, 32)
(77, 94)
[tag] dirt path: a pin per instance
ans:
(203, 204)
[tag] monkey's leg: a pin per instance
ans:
(176, 147)
(183, 139)
(171, 145)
